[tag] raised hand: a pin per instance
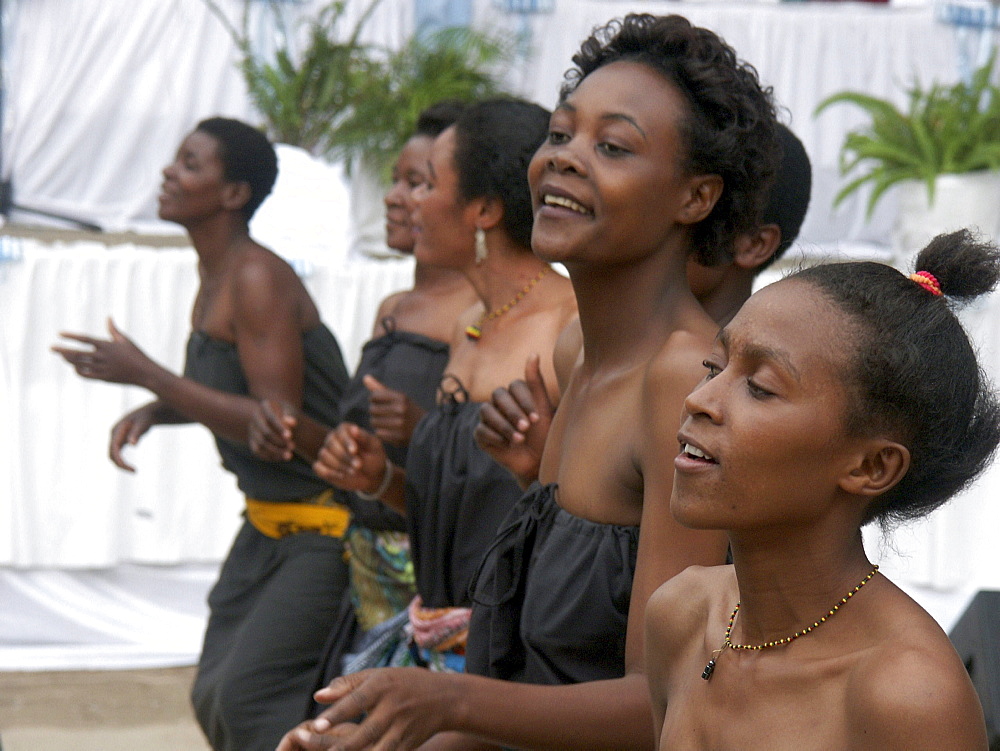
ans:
(352, 459)
(115, 360)
(514, 424)
(270, 433)
(393, 414)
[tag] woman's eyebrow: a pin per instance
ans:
(619, 116)
(754, 351)
(607, 116)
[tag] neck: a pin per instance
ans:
(627, 310)
(434, 279)
(726, 299)
(789, 585)
(505, 272)
(215, 238)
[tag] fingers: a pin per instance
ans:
(302, 738)
(495, 429)
(82, 338)
(515, 406)
(128, 430)
(338, 455)
(393, 416)
(116, 335)
(351, 458)
(271, 435)
(373, 384)
(348, 698)
(536, 386)
(84, 361)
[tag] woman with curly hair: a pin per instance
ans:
(662, 147)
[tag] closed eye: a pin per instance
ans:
(612, 149)
(757, 391)
(712, 368)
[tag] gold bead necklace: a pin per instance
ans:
(710, 667)
(474, 331)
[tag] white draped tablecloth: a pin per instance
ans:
(99, 568)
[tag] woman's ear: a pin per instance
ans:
(878, 468)
(490, 213)
(756, 249)
(235, 195)
(704, 191)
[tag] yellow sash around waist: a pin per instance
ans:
(319, 515)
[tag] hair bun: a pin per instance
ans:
(965, 265)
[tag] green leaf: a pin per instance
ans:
(944, 129)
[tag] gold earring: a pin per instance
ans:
(481, 250)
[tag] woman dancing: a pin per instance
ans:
(843, 395)
(662, 146)
(256, 334)
(473, 214)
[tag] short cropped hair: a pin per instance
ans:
(246, 155)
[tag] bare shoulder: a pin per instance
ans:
(387, 309)
(674, 371)
(676, 620)
(681, 604)
(913, 692)
(681, 356)
(389, 305)
(266, 289)
(259, 268)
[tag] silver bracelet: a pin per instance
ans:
(383, 486)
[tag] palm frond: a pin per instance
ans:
(944, 129)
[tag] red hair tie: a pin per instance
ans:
(928, 281)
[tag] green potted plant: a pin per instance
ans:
(306, 89)
(946, 142)
(347, 100)
(343, 100)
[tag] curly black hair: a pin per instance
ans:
(730, 127)
(915, 376)
(246, 156)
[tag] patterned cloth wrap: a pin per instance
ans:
(433, 638)
(382, 578)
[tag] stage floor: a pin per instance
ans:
(98, 711)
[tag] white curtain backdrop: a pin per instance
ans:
(102, 568)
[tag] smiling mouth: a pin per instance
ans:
(693, 452)
(566, 203)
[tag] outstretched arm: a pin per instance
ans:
(268, 337)
(404, 707)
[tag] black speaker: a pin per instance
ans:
(976, 636)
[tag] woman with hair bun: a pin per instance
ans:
(842, 395)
